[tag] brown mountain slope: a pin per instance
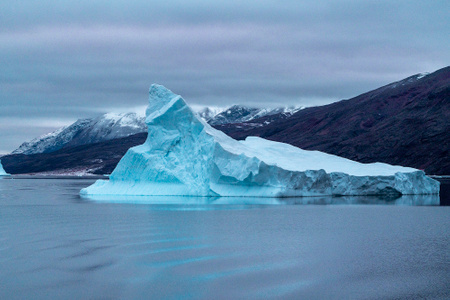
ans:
(405, 123)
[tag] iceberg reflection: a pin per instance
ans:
(323, 200)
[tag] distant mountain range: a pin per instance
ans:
(112, 126)
(403, 123)
(240, 114)
(86, 131)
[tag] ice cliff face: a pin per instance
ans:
(183, 155)
(2, 171)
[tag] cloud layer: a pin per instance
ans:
(62, 60)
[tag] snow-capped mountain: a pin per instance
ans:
(240, 114)
(86, 131)
(112, 125)
(208, 113)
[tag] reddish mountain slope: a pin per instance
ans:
(405, 123)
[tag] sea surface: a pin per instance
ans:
(56, 245)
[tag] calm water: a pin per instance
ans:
(55, 245)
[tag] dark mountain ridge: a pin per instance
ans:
(97, 158)
(405, 123)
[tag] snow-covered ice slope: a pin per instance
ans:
(2, 171)
(183, 155)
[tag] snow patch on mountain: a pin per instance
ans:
(408, 80)
(209, 113)
(241, 114)
(422, 75)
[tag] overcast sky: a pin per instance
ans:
(64, 60)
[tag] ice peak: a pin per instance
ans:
(159, 91)
(159, 100)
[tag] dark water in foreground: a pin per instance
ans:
(55, 245)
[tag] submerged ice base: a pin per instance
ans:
(184, 156)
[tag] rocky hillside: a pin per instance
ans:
(403, 123)
(97, 158)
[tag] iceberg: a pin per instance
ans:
(2, 171)
(184, 156)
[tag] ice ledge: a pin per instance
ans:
(307, 184)
(184, 156)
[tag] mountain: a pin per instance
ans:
(112, 126)
(86, 131)
(404, 123)
(97, 158)
(239, 128)
(208, 113)
(240, 114)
